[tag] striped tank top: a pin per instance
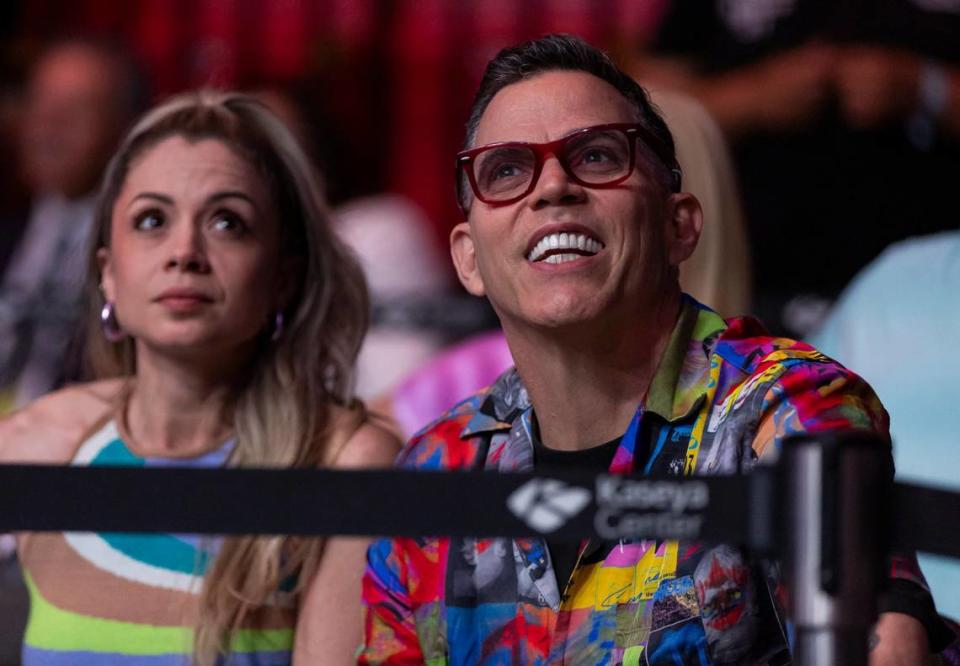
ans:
(132, 599)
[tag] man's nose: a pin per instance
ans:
(555, 187)
(187, 249)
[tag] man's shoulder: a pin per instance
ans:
(793, 369)
(777, 374)
(746, 345)
(442, 444)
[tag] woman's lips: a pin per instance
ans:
(183, 300)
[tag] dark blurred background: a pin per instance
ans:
(819, 134)
(818, 99)
(384, 84)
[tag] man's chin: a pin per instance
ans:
(559, 310)
(564, 319)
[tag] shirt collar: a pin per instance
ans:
(505, 400)
(680, 381)
(678, 385)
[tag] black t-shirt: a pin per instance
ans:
(899, 596)
(564, 554)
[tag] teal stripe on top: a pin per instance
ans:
(117, 453)
(159, 550)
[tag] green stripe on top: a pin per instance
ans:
(52, 628)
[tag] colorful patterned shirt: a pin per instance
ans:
(722, 399)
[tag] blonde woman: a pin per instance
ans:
(226, 320)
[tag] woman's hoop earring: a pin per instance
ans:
(109, 324)
(277, 326)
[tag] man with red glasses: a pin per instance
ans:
(575, 229)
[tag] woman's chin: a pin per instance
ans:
(198, 345)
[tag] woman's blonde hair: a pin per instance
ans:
(281, 413)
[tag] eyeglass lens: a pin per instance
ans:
(595, 158)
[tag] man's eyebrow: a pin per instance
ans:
(523, 142)
(577, 129)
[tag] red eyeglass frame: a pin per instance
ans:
(633, 131)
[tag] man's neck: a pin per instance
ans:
(585, 385)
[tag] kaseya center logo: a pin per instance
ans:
(547, 504)
(626, 508)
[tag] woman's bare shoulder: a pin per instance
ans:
(371, 445)
(49, 428)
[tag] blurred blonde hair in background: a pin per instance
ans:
(718, 274)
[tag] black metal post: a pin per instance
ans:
(834, 513)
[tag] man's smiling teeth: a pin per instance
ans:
(561, 258)
(581, 245)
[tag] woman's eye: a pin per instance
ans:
(149, 220)
(228, 223)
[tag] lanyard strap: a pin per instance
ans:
(696, 436)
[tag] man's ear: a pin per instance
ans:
(684, 223)
(463, 251)
(107, 285)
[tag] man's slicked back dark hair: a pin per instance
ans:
(563, 52)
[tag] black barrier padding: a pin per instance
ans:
(389, 502)
(764, 517)
(744, 510)
(926, 519)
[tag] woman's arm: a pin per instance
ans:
(330, 622)
(48, 430)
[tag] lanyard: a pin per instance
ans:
(696, 436)
(659, 561)
(631, 438)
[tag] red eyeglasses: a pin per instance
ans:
(598, 156)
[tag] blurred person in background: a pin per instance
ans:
(409, 283)
(80, 97)
(300, 105)
(845, 122)
(898, 325)
(14, 199)
(224, 320)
